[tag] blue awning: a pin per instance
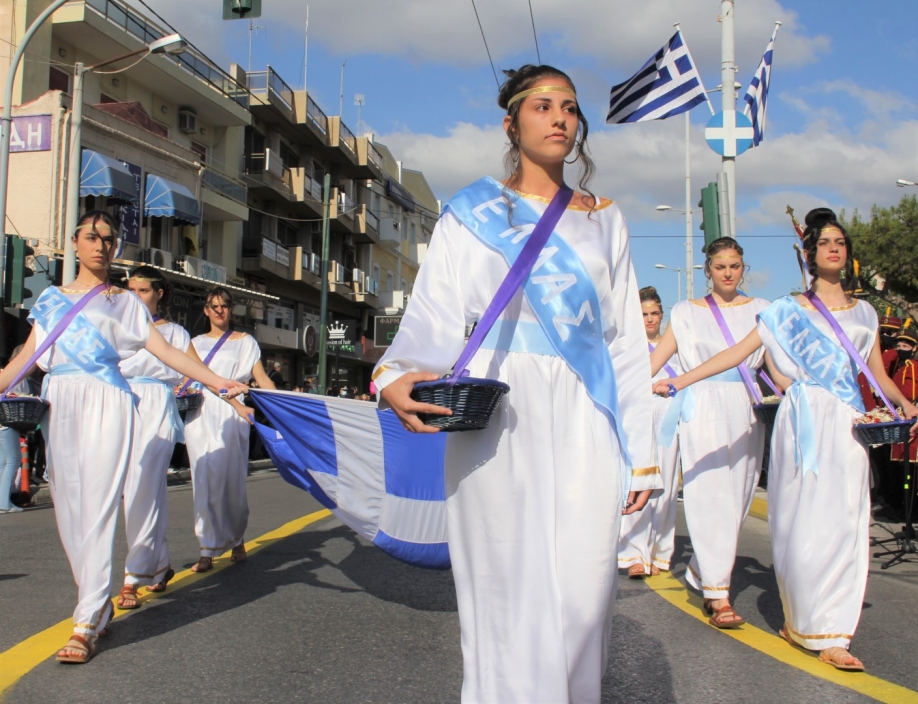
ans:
(103, 176)
(166, 199)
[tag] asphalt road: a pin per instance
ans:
(322, 616)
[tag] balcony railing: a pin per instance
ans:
(269, 81)
(347, 138)
(253, 246)
(314, 113)
(192, 61)
(374, 155)
(224, 185)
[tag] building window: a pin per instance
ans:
(286, 233)
(376, 276)
(390, 281)
(200, 150)
(414, 234)
(58, 80)
(107, 99)
(404, 286)
(287, 155)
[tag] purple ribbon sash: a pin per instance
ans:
(771, 384)
(56, 333)
(728, 336)
(210, 355)
(850, 349)
(515, 277)
(668, 369)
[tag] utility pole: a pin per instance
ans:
(341, 97)
(323, 300)
(689, 256)
(728, 99)
(306, 49)
(74, 166)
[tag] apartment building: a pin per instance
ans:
(160, 148)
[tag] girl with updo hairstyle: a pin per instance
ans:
(157, 430)
(648, 537)
(89, 425)
(535, 500)
(217, 436)
(720, 441)
(818, 477)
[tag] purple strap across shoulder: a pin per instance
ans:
(55, 333)
(850, 349)
(518, 273)
(210, 355)
(728, 336)
(668, 369)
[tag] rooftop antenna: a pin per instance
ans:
(253, 27)
(359, 101)
(306, 49)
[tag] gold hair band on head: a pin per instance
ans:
(144, 278)
(540, 89)
(727, 256)
(650, 304)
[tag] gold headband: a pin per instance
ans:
(541, 89)
(651, 304)
(727, 256)
(145, 278)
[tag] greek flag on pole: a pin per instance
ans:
(757, 93)
(668, 84)
(382, 481)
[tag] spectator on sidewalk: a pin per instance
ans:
(277, 377)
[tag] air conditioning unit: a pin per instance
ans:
(187, 121)
(192, 266)
(274, 165)
(339, 273)
(158, 257)
(357, 278)
(349, 241)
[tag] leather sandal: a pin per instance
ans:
(161, 586)
(841, 659)
(238, 554)
(204, 564)
(718, 616)
(77, 651)
(127, 598)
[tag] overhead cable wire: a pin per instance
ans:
(494, 70)
(534, 35)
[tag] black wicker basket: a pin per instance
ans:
(884, 433)
(188, 402)
(471, 400)
(22, 412)
(766, 412)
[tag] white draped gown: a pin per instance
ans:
(159, 427)
(820, 522)
(721, 446)
(533, 502)
(648, 536)
(88, 430)
(217, 439)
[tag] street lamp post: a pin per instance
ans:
(689, 257)
(678, 271)
(902, 183)
(170, 44)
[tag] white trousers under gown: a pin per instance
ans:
(820, 524)
(146, 503)
(217, 439)
(648, 536)
(88, 429)
(721, 449)
(533, 510)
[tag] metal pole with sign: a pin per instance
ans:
(323, 306)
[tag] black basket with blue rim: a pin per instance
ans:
(766, 412)
(188, 402)
(22, 413)
(890, 433)
(472, 401)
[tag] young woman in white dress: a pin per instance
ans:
(535, 500)
(89, 426)
(819, 516)
(217, 437)
(720, 440)
(159, 427)
(648, 536)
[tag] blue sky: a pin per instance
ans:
(841, 125)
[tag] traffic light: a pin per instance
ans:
(710, 215)
(16, 272)
(241, 9)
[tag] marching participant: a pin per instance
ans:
(818, 495)
(158, 428)
(648, 536)
(906, 378)
(90, 422)
(535, 500)
(217, 436)
(719, 439)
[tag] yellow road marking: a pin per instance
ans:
(759, 508)
(673, 591)
(24, 656)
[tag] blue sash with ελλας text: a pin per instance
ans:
(82, 342)
(826, 364)
(559, 291)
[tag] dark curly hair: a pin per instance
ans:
(721, 244)
(816, 221)
(157, 283)
(522, 79)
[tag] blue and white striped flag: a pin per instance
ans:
(383, 482)
(668, 84)
(757, 93)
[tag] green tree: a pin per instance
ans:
(886, 246)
